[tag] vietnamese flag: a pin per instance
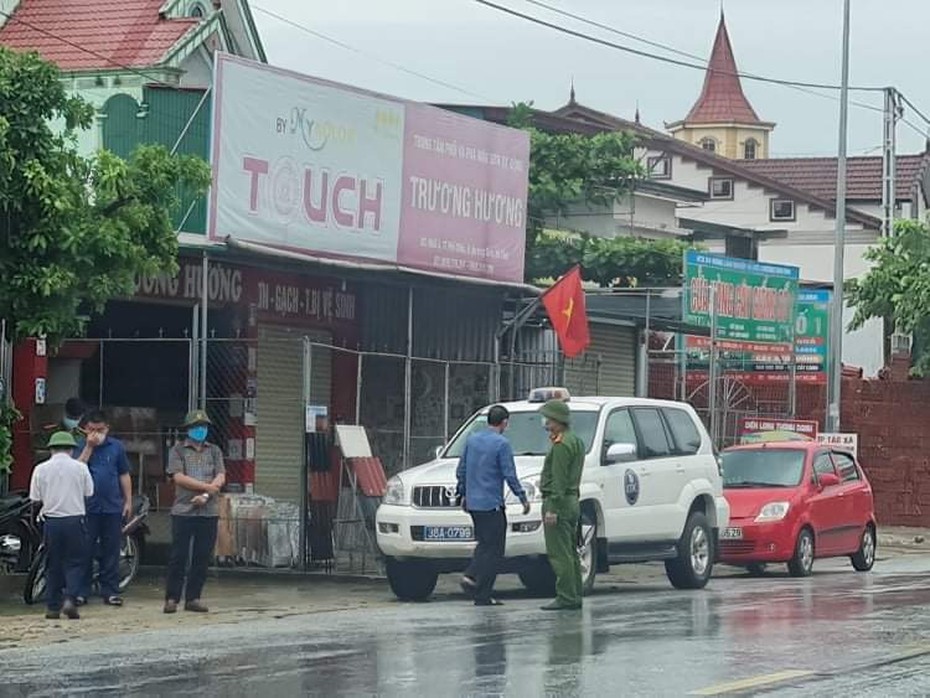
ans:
(565, 305)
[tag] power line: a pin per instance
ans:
(672, 49)
(353, 49)
(663, 59)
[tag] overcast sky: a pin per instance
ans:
(492, 58)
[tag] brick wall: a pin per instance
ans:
(891, 416)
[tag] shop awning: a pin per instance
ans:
(356, 265)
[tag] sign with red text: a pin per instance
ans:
(756, 425)
(309, 165)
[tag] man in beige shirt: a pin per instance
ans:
(197, 469)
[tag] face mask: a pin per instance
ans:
(197, 433)
(70, 424)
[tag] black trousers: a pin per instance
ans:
(193, 540)
(491, 535)
(64, 544)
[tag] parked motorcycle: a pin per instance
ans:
(19, 536)
(134, 532)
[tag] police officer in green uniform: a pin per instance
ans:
(561, 478)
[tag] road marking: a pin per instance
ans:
(752, 682)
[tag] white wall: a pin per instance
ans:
(652, 217)
(864, 347)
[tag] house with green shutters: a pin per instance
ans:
(145, 65)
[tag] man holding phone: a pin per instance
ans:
(109, 506)
(486, 464)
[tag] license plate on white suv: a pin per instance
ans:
(732, 534)
(448, 533)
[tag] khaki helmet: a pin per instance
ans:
(195, 417)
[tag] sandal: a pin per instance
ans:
(113, 601)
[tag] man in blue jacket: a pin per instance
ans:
(485, 465)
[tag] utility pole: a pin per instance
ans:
(889, 161)
(836, 347)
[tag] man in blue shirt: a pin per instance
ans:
(106, 509)
(486, 464)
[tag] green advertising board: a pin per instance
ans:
(750, 301)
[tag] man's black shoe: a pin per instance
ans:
(488, 602)
(70, 610)
(468, 585)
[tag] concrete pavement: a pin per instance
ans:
(832, 634)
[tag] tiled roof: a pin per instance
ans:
(94, 34)
(576, 118)
(722, 99)
(863, 175)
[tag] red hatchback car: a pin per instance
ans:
(792, 502)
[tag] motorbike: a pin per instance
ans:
(20, 538)
(134, 532)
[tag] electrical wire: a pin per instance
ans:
(353, 49)
(664, 59)
(672, 49)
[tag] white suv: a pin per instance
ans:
(651, 490)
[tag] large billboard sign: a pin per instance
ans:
(754, 363)
(313, 166)
(745, 301)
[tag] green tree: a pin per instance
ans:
(897, 287)
(570, 168)
(74, 231)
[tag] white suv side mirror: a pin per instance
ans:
(620, 453)
(438, 451)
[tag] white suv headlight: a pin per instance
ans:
(395, 493)
(531, 487)
(774, 511)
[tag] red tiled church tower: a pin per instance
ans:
(722, 120)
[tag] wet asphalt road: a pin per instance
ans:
(837, 633)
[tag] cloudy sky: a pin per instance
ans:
(467, 53)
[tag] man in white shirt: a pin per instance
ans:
(61, 483)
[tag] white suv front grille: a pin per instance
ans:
(434, 497)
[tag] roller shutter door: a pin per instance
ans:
(279, 429)
(608, 366)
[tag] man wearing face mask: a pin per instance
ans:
(74, 412)
(197, 469)
(107, 508)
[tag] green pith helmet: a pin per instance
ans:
(62, 439)
(557, 411)
(195, 417)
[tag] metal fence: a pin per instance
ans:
(724, 386)
(256, 391)
(260, 390)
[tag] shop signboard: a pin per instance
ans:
(757, 425)
(324, 169)
(746, 301)
(756, 364)
(844, 442)
(275, 295)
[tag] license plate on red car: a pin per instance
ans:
(731, 534)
